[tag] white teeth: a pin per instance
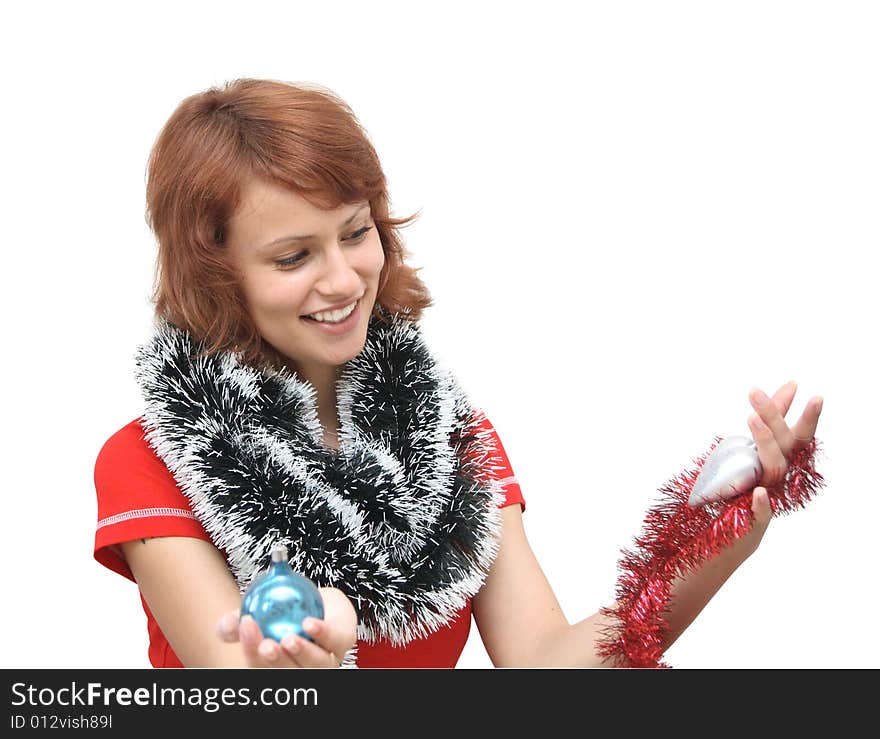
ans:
(334, 316)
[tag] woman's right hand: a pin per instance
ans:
(333, 636)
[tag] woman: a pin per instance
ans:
(290, 398)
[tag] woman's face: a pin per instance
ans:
(287, 280)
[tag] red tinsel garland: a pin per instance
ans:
(677, 539)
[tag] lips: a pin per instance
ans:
(354, 307)
(341, 327)
(330, 309)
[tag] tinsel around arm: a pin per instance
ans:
(677, 539)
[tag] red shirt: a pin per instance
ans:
(138, 498)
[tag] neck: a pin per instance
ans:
(322, 377)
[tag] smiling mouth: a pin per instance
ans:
(334, 316)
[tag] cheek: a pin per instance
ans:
(277, 290)
(372, 260)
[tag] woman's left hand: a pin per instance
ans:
(776, 442)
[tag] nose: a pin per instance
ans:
(338, 278)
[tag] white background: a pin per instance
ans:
(632, 213)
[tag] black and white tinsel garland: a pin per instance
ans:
(403, 517)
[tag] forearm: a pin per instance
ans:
(688, 596)
(575, 645)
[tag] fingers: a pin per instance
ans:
(227, 628)
(805, 428)
(761, 506)
(250, 636)
(772, 418)
(326, 643)
(771, 456)
(306, 653)
(262, 652)
(293, 651)
(332, 637)
(273, 655)
(782, 398)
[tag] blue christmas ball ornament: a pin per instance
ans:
(280, 599)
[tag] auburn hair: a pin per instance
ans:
(301, 136)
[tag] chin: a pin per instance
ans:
(344, 357)
(342, 354)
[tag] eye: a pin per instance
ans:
(296, 259)
(292, 261)
(360, 234)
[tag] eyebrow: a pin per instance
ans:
(285, 239)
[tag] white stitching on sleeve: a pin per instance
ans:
(146, 513)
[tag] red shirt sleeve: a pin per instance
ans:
(499, 467)
(138, 497)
